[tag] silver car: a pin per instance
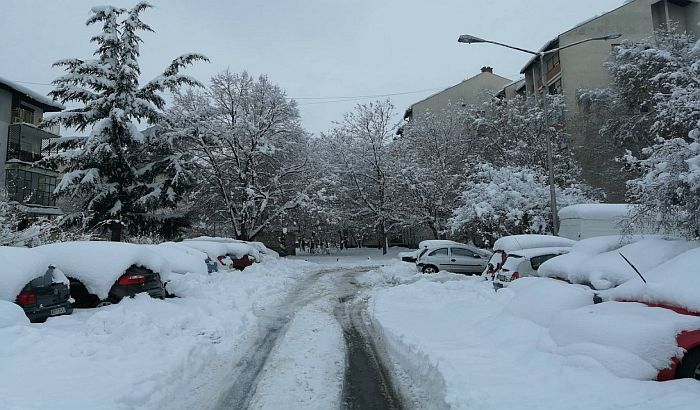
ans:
(455, 258)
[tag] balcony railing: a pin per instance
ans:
(20, 115)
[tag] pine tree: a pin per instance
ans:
(119, 177)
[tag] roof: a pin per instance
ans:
(457, 85)
(595, 211)
(548, 45)
(46, 103)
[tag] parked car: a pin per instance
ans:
(103, 273)
(230, 254)
(672, 285)
(412, 256)
(507, 244)
(27, 279)
(456, 258)
(523, 263)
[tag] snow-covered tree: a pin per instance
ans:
(360, 153)
(508, 200)
(120, 178)
(248, 148)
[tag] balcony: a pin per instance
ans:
(22, 116)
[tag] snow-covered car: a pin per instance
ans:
(525, 262)
(507, 244)
(103, 273)
(229, 253)
(412, 256)
(453, 257)
(183, 259)
(27, 279)
(673, 286)
(598, 262)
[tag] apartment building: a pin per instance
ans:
(581, 67)
(471, 91)
(21, 146)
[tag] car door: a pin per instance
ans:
(440, 258)
(465, 260)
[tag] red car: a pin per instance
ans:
(687, 366)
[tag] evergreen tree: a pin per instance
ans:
(119, 177)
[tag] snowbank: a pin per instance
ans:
(597, 261)
(237, 249)
(212, 249)
(259, 247)
(12, 315)
(144, 353)
(518, 242)
(18, 266)
(467, 346)
(99, 264)
(675, 282)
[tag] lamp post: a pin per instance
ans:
(468, 39)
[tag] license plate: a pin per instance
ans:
(58, 311)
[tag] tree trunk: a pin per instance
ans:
(116, 228)
(384, 238)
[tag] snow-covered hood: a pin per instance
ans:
(18, 266)
(99, 264)
(181, 259)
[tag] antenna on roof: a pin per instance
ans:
(633, 267)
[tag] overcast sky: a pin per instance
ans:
(312, 48)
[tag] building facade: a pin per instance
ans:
(21, 145)
(471, 91)
(582, 67)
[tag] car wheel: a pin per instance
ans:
(690, 366)
(430, 269)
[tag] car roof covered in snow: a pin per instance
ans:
(675, 282)
(215, 247)
(99, 264)
(181, 258)
(429, 243)
(606, 269)
(18, 266)
(258, 246)
(613, 212)
(534, 252)
(518, 242)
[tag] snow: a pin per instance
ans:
(534, 252)
(465, 346)
(12, 315)
(181, 259)
(212, 249)
(237, 249)
(305, 370)
(597, 261)
(436, 242)
(518, 242)
(259, 246)
(99, 264)
(145, 353)
(613, 212)
(675, 282)
(40, 98)
(19, 267)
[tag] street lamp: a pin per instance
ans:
(469, 39)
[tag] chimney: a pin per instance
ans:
(487, 69)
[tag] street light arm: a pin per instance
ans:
(610, 36)
(512, 47)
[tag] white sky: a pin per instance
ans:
(312, 48)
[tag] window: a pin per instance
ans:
(30, 187)
(463, 252)
(536, 261)
(439, 252)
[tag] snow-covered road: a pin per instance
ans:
(314, 351)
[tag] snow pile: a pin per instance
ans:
(18, 266)
(236, 249)
(675, 282)
(211, 249)
(633, 341)
(465, 346)
(182, 259)
(144, 353)
(11, 315)
(99, 264)
(259, 247)
(518, 242)
(597, 261)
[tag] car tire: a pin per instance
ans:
(690, 366)
(430, 269)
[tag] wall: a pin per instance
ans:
(469, 92)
